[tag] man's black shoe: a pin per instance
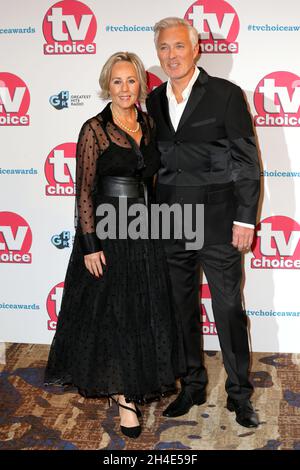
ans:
(245, 414)
(184, 403)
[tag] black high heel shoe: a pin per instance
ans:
(134, 431)
(138, 411)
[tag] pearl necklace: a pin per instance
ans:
(123, 125)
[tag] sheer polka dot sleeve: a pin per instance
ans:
(86, 157)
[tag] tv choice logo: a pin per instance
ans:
(60, 170)
(208, 325)
(14, 100)
(276, 244)
(153, 81)
(69, 27)
(277, 100)
(61, 240)
(15, 239)
(218, 25)
(53, 304)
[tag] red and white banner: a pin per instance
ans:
(51, 55)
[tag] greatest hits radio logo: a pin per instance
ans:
(53, 304)
(277, 100)
(15, 238)
(208, 326)
(60, 169)
(69, 27)
(14, 100)
(276, 245)
(218, 25)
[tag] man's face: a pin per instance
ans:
(176, 52)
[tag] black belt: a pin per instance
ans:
(125, 186)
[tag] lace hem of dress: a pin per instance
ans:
(142, 399)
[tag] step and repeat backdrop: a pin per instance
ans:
(51, 54)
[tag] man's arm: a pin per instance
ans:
(245, 168)
(245, 163)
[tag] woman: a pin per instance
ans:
(116, 333)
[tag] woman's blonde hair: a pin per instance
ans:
(105, 75)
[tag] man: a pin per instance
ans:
(208, 153)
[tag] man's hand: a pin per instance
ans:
(242, 237)
(93, 263)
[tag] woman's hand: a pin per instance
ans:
(93, 263)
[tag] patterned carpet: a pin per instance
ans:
(36, 417)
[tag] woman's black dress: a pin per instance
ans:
(117, 334)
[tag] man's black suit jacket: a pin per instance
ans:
(211, 158)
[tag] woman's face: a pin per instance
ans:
(124, 86)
